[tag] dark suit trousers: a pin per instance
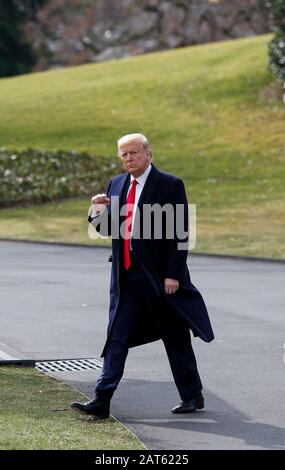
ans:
(137, 294)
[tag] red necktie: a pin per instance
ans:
(128, 223)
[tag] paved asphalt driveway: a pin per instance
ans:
(54, 305)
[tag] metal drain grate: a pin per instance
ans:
(68, 365)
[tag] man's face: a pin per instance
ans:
(135, 157)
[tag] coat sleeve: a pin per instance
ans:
(102, 222)
(176, 249)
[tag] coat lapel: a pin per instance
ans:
(122, 190)
(149, 187)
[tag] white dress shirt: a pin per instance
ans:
(139, 187)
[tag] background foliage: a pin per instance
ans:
(35, 176)
(16, 54)
(277, 45)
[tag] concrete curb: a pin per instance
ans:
(210, 255)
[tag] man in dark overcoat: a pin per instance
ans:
(145, 211)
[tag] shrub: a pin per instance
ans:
(277, 45)
(34, 176)
(16, 54)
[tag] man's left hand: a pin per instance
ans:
(171, 285)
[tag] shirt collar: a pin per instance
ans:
(142, 178)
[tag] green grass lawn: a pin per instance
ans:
(35, 414)
(211, 113)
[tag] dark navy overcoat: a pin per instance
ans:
(160, 258)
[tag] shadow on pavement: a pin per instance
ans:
(147, 404)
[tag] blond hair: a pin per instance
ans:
(138, 137)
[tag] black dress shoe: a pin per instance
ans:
(189, 406)
(94, 408)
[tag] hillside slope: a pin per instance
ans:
(212, 118)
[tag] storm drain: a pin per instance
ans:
(68, 365)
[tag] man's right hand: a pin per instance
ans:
(100, 202)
